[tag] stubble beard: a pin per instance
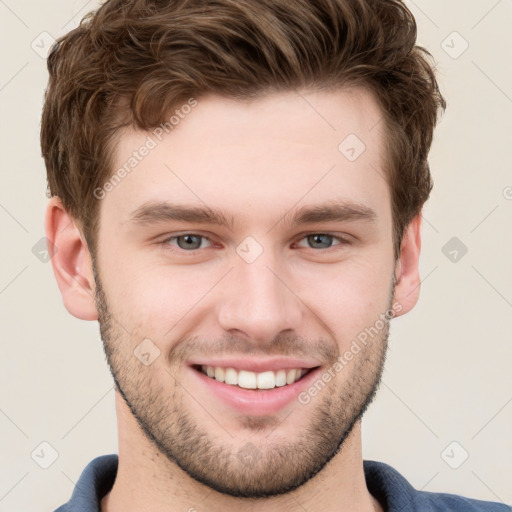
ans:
(259, 466)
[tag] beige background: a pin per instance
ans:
(448, 376)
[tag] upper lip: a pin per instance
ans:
(256, 365)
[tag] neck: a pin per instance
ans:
(147, 480)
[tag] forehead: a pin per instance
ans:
(256, 157)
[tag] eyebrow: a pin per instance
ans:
(338, 211)
(164, 211)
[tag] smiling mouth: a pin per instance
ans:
(254, 380)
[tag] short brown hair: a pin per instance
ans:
(132, 61)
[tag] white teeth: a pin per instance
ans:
(280, 378)
(251, 380)
(219, 374)
(231, 376)
(290, 376)
(247, 379)
(266, 380)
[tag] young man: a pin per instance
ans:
(236, 197)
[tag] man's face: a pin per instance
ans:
(263, 294)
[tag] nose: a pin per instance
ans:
(259, 302)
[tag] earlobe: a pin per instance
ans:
(71, 262)
(407, 288)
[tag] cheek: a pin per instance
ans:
(348, 298)
(152, 299)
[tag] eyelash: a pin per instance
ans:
(341, 240)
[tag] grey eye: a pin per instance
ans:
(320, 240)
(189, 241)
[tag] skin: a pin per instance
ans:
(180, 447)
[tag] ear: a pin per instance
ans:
(407, 289)
(71, 261)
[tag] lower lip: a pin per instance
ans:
(257, 402)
